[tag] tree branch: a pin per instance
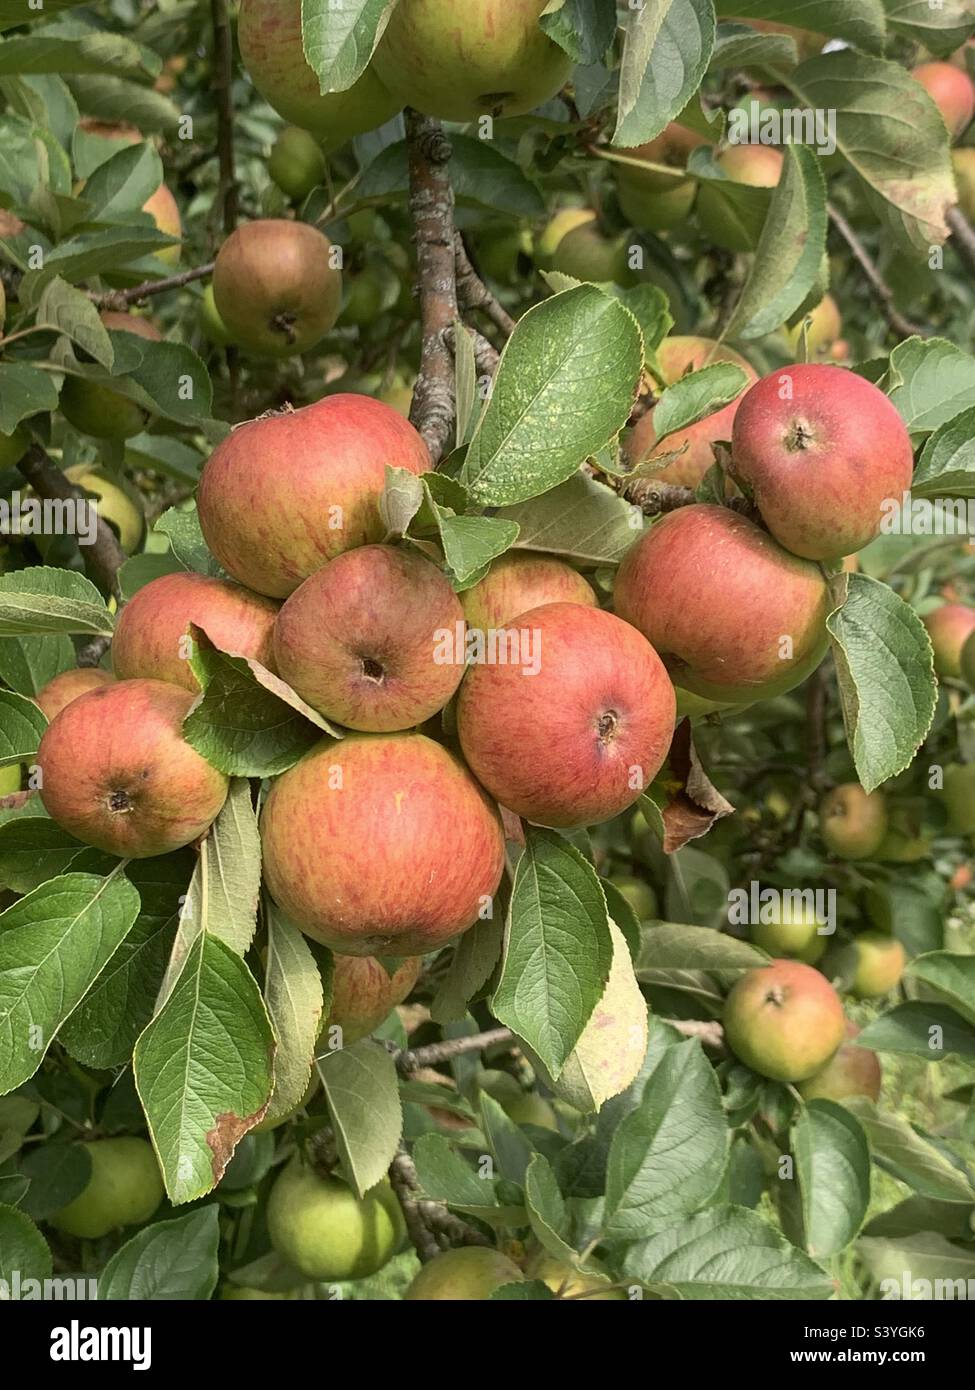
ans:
(472, 293)
(964, 236)
(408, 1062)
(223, 71)
(123, 299)
(884, 295)
(105, 556)
(431, 1227)
(432, 211)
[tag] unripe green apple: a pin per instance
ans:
(823, 451)
(587, 253)
(327, 1233)
(499, 252)
(952, 92)
(211, 323)
(234, 1293)
(113, 504)
(853, 1071)
(853, 822)
(792, 933)
(958, 795)
(963, 162)
(904, 842)
(276, 287)
(784, 1020)
(655, 201)
(124, 1189)
(519, 581)
(297, 163)
(269, 33)
(880, 964)
(556, 230)
(686, 583)
(458, 64)
(949, 628)
(568, 1282)
(639, 895)
(759, 166)
(825, 326)
(99, 411)
(470, 1272)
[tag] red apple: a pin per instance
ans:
(784, 1020)
(821, 450)
(952, 92)
(381, 844)
(283, 494)
(852, 1071)
(364, 994)
(275, 286)
(362, 639)
(151, 634)
(678, 356)
(949, 627)
(853, 823)
(519, 581)
(118, 774)
(572, 732)
(459, 59)
(66, 687)
(734, 616)
(269, 33)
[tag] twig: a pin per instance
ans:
(472, 293)
(964, 235)
(92, 652)
(432, 211)
(902, 326)
(427, 1220)
(223, 69)
(655, 498)
(122, 299)
(408, 1062)
(105, 556)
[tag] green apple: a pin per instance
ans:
(321, 1228)
(113, 503)
(124, 1189)
(853, 822)
(880, 964)
(297, 163)
(211, 323)
(639, 895)
(10, 779)
(568, 1282)
(471, 1272)
(792, 933)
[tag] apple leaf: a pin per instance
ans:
(739, 46)
(547, 1212)
(666, 51)
(295, 1003)
(921, 1028)
(28, 663)
(186, 540)
(741, 208)
(339, 39)
(863, 24)
(585, 29)
(946, 467)
(24, 391)
(363, 1100)
(581, 520)
(22, 726)
(725, 1252)
(832, 1174)
(480, 175)
(43, 599)
(57, 1173)
(697, 395)
(447, 1177)
(668, 1156)
(202, 1068)
(940, 27)
(33, 849)
(511, 1147)
(904, 1153)
(558, 950)
(54, 942)
(930, 381)
(24, 1253)
(886, 678)
(543, 419)
(471, 965)
(168, 1260)
(952, 976)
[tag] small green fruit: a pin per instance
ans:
(853, 822)
(211, 323)
(124, 1189)
(793, 934)
(638, 894)
(880, 964)
(10, 779)
(297, 164)
(320, 1227)
(99, 411)
(468, 1273)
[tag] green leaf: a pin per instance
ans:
(885, 671)
(724, 1253)
(909, 1157)
(833, 1172)
(72, 313)
(169, 1260)
(668, 1156)
(42, 600)
(510, 1145)
(33, 849)
(53, 943)
(338, 40)
(186, 540)
(952, 976)
(28, 663)
(912, 1267)
(557, 948)
(94, 52)
(228, 876)
(295, 1004)
(24, 391)
(203, 1068)
(940, 27)
(543, 419)
(931, 382)
(22, 726)
(121, 185)
(110, 98)
(921, 1029)
(93, 253)
(58, 1173)
(584, 28)
(471, 966)
(24, 1253)
(946, 467)
(481, 177)
(863, 23)
(697, 395)
(738, 46)
(547, 1212)
(582, 520)
(471, 542)
(446, 1177)
(363, 1101)
(666, 53)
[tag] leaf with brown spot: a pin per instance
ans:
(693, 803)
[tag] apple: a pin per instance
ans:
(360, 639)
(759, 166)
(211, 323)
(327, 1233)
(784, 1020)
(952, 92)
(297, 163)
(265, 482)
(483, 59)
(568, 1282)
(275, 286)
(164, 211)
(587, 253)
(501, 251)
(639, 895)
(824, 327)
(852, 1071)
(118, 774)
(518, 581)
(821, 450)
(364, 994)
(381, 845)
(269, 33)
(10, 779)
(734, 616)
(556, 230)
(963, 162)
(124, 1189)
(958, 796)
(853, 822)
(113, 504)
(791, 934)
(676, 357)
(151, 633)
(654, 201)
(949, 628)
(464, 1274)
(96, 409)
(904, 842)
(880, 964)
(59, 692)
(574, 739)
